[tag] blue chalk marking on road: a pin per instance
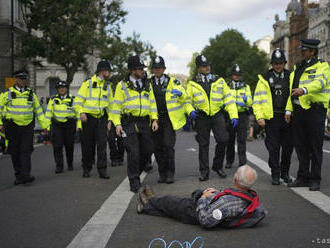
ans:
(185, 244)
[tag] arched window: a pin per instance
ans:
(52, 82)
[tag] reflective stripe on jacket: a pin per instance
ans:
(220, 97)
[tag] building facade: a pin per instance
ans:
(42, 79)
(264, 44)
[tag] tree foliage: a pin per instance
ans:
(66, 32)
(229, 48)
(119, 50)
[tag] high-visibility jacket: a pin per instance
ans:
(315, 79)
(174, 104)
(21, 107)
(239, 94)
(61, 110)
(262, 100)
(94, 97)
(128, 100)
(220, 98)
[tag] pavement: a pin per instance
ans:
(60, 210)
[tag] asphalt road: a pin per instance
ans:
(51, 211)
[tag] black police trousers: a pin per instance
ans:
(94, 136)
(308, 132)
(164, 141)
(179, 208)
(116, 145)
(20, 147)
(62, 134)
(241, 132)
(279, 143)
(203, 126)
(139, 147)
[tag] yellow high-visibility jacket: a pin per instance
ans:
(61, 109)
(94, 97)
(128, 100)
(175, 105)
(239, 94)
(220, 97)
(21, 107)
(315, 79)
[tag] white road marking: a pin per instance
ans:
(98, 230)
(317, 198)
(326, 151)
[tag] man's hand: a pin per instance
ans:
(261, 122)
(154, 126)
(2, 128)
(297, 92)
(287, 118)
(109, 126)
(208, 192)
(119, 130)
(234, 122)
(83, 117)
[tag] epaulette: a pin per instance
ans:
(177, 82)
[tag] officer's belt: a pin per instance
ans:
(126, 118)
(68, 121)
(201, 113)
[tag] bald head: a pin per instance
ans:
(245, 177)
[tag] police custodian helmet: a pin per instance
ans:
(278, 56)
(236, 70)
(201, 60)
(158, 62)
(61, 84)
(135, 62)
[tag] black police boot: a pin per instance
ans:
(286, 178)
(18, 181)
(148, 167)
(103, 174)
(203, 178)
(134, 186)
(59, 169)
(228, 165)
(315, 186)
(170, 179)
(86, 174)
(70, 167)
(275, 180)
(120, 163)
(114, 163)
(299, 183)
(29, 179)
(220, 172)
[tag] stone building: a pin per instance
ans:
(319, 28)
(42, 79)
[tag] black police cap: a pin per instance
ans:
(201, 60)
(61, 84)
(278, 56)
(103, 65)
(22, 74)
(236, 70)
(309, 44)
(135, 62)
(158, 62)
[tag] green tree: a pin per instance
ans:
(66, 32)
(229, 48)
(192, 66)
(119, 50)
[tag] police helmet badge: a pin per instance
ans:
(278, 54)
(157, 60)
(237, 68)
(141, 61)
(203, 58)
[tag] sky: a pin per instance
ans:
(178, 28)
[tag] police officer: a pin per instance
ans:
(208, 97)
(270, 98)
(4, 141)
(170, 99)
(242, 94)
(309, 88)
(21, 105)
(92, 104)
(63, 118)
(133, 109)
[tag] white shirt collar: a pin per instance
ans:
(134, 81)
(19, 89)
(160, 80)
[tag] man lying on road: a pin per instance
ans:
(231, 207)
